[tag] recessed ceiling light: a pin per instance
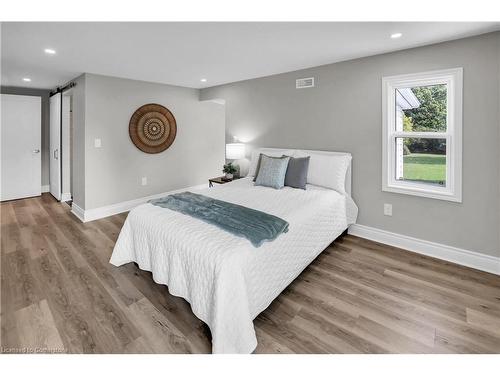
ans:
(50, 51)
(203, 80)
(396, 35)
(26, 79)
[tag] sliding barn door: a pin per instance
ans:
(55, 145)
(20, 134)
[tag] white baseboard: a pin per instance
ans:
(78, 212)
(117, 208)
(65, 197)
(45, 188)
(452, 254)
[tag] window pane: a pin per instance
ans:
(421, 109)
(421, 160)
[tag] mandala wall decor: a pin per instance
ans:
(152, 128)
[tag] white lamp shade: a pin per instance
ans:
(235, 151)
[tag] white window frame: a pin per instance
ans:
(453, 78)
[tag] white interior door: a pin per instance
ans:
(55, 145)
(20, 132)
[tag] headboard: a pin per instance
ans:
(348, 177)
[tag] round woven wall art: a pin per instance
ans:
(152, 128)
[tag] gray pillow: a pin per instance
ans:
(272, 171)
(258, 163)
(296, 173)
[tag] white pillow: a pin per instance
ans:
(327, 170)
(255, 157)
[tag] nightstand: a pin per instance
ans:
(219, 180)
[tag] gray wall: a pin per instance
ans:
(113, 173)
(44, 94)
(343, 113)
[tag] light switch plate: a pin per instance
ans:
(97, 143)
(144, 181)
(387, 209)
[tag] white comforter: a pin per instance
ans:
(227, 281)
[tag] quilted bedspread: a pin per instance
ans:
(227, 281)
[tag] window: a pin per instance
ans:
(422, 134)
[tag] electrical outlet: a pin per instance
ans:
(144, 181)
(387, 209)
(97, 143)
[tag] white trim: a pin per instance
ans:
(117, 208)
(78, 212)
(45, 188)
(453, 78)
(65, 197)
(452, 254)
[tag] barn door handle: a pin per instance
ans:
(56, 154)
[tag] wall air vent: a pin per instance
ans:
(303, 83)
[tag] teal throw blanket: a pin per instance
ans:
(254, 225)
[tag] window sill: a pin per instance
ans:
(444, 194)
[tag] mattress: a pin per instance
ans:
(227, 281)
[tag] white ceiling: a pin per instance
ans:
(183, 53)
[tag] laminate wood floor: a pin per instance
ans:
(60, 294)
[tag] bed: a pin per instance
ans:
(227, 281)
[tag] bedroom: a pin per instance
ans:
(336, 197)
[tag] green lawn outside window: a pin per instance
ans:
(428, 168)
